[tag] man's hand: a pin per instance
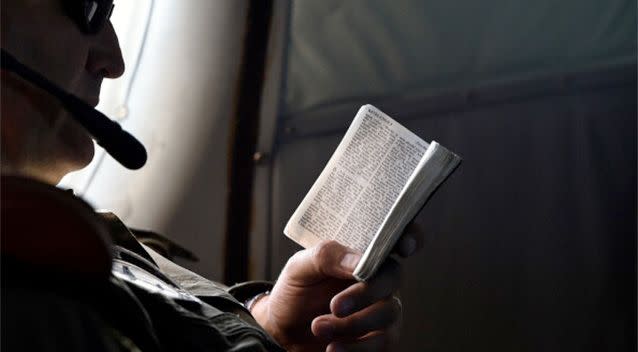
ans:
(316, 305)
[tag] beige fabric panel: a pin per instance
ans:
(362, 48)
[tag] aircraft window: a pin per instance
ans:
(177, 98)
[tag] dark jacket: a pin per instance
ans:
(68, 289)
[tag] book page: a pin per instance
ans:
(435, 166)
(360, 183)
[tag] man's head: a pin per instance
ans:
(39, 138)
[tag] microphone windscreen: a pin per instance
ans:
(121, 145)
(124, 148)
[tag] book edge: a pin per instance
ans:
(365, 268)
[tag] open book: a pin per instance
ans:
(374, 184)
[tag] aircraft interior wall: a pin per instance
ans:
(180, 104)
(531, 245)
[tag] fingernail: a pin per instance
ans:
(325, 329)
(350, 260)
(408, 246)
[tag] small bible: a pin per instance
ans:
(374, 184)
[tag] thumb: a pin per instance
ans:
(328, 259)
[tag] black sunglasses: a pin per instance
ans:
(90, 15)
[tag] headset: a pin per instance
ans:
(91, 16)
(121, 145)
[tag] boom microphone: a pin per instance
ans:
(121, 145)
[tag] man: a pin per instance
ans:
(315, 304)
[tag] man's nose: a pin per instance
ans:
(105, 57)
